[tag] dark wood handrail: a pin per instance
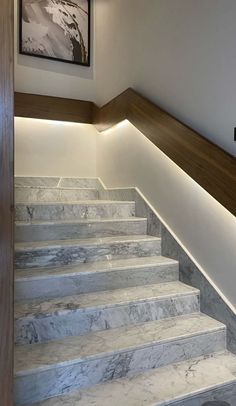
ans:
(209, 165)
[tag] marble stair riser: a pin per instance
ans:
(99, 228)
(30, 194)
(75, 254)
(194, 382)
(66, 285)
(35, 386)
(78, 321)
(73, 211)
(54, 182)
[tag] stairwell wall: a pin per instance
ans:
(180, 54)
(51, 148)
(125, 158)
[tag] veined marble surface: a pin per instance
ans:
(88, 360)
(118, 340)
(73, 210)
(39, 321)
(46, 194)
(55, 181)
(74, 229)
(211, 302)
(142, 208)
(65, 252)
(93, 277)
(191, 383)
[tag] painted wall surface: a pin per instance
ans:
(53, 78)
(181, 54)
(51, 148)
(208, 231)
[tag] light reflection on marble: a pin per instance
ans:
(103, 356)
(38, 321)
(33, 194)
(41, 231)
(65, 252)
(93, 277)
(69, 211)
(191, 383)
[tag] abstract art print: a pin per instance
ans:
(56, 29)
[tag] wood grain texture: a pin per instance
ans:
(6, 203)
(53, 108)
(210, 166)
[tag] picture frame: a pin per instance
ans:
(58, 30)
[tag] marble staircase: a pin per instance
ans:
(101, 317)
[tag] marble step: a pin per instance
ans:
(52, 230)
(88, 209)
(30, 194)
(45, 370)
(194, 382)
(53, 182)
(93, 277)
(66, 252)
(44, 320)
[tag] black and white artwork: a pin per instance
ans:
(56, 29)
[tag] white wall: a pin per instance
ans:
(207, 230)
(179, 53)
(53, 78)
(51, 148)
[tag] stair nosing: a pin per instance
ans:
(51, 244)
(191, 292)
(166, 262)
(219, 327)
(80, 221)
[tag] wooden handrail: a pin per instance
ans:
(209, 165)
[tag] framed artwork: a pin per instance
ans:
(56, 29)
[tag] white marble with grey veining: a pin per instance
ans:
(142, 208)
(102, 356)
(93, 209)
(74, 229)
(56, 181)
(39, 321)
(46, 194)
(188, 383)
(66, 252)
(92, 277)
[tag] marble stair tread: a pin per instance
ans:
(186, 383)
(78, 228)
(104, 221)
(31, 194)
(103, 299)
(95, 276)
(29, 359)
(84, 202)
(93, 267)
(25, 246)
